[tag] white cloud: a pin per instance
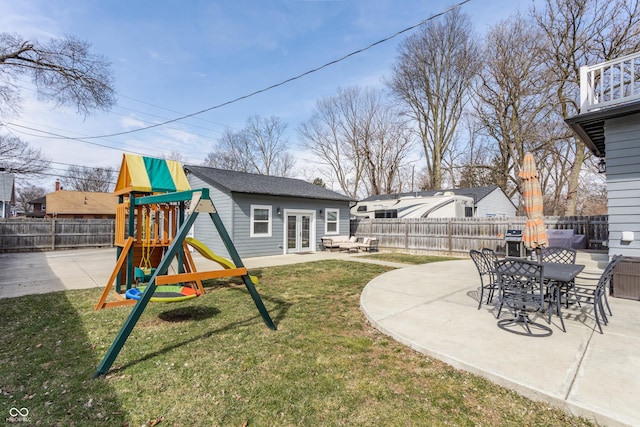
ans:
(130, 123)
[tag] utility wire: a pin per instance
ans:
(289, 80)
(7, 125)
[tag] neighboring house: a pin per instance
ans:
(7, 193)
(609, 124)
(38, 207)
(80, 204)
(268, 215)
(488, 201)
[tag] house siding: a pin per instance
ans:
(622, 137)
(204, 229)
(276, 243)
(495, 204)
(246, 244)
(235, 212)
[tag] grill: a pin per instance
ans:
(515, 247)
(513, 236)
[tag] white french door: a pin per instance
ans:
(299, 232)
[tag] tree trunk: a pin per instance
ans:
(574, 178)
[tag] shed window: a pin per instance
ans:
(332, 221)
(260, 221)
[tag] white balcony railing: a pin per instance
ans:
(610, 83)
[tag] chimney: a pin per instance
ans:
(57, 184)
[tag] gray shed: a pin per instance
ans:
(268, 215)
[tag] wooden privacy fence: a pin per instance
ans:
(456, 236)
(33, 234)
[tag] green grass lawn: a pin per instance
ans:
(212, 362)
(407, 258)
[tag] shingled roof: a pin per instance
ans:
(80, 203)
(478, 193)
(251, 183)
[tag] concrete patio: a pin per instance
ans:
(433, 308)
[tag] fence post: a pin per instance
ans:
(406, 234)
(113, 232)
(53, 234)
(450, 236)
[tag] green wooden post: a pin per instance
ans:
(238, 263)
(132, 226)
(135, 314)
(181, 250)
(118, 252)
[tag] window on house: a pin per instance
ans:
(468, 211)
(260, 221)
(332, 221)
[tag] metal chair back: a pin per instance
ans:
(490, 254)
(583, 292)
(607, 275)
(486, 270)
(521, 284)
(559, 255)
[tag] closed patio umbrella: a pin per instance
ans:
(534, 234)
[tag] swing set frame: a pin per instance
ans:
(171, 208)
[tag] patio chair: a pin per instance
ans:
(522, 291)
(487, 275)
(490, 254)
(560, 255)
(369, 244)
(585, 290)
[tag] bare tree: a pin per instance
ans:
(177, 156)
(594, 188)
(582, 32)
(319, 182)
(434, 70)
(360, 137)
(476, 160)
(259, 147)
(330, 136)
(83, 178)
(268, 142)
(19, 157)
(383, 143)
(511, 98)
(232, 152)
(62, 70)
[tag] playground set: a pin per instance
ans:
(156, 209)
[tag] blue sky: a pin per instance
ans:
(172, 58)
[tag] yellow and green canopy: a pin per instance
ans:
(150, 175)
